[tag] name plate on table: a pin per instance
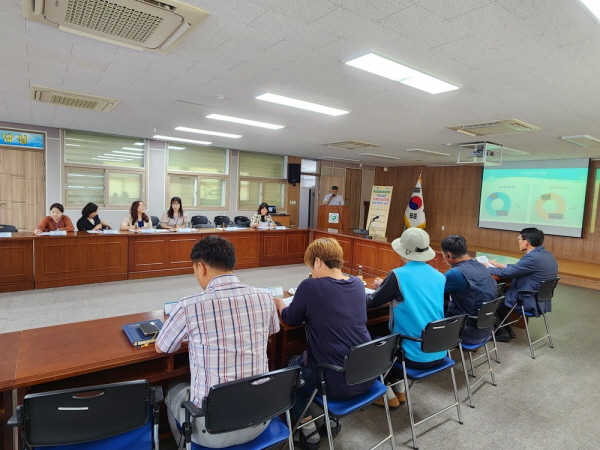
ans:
(5, 234)
(280, 227)
(110, 231)
(58, 233)
(185, 230)
(147, 230)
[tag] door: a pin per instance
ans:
(22, 188)
(352, 196)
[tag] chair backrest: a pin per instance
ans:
(80, 415)
(220, 220)
(371, 359)
(154, 220)
(199, 220)
(8, 229)
(442, 335)
(249, 401)
(242, 221)
(546, 290)
(486, 315)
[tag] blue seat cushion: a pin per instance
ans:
(473, 347)
(277, 431)
(340, 408)
(140, 439)
(420, 374)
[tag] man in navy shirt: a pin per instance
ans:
(469, 284)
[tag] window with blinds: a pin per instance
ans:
(262, 179)
(82, 147)
(199, 159)
(262, 165)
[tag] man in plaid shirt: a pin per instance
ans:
(227, 328)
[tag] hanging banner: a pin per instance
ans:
(11, 138)
(379, 210)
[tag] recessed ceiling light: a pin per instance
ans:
(302, 104)
(420, 150)
(341, 159)
(253, 123)
(379, 156)
(210, 133)
(389, 69)
(593, 6)
(171, 138)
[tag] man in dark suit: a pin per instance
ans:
(536, 266)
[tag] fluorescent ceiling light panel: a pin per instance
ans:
(210, 133)
(301, 104)
(389, 69)
(172, 147)
(420, 150)
(593, 6)
(171, 138)
(513, 151)
(253, 123)
(379, 156)
(341, 159)
(133, 148)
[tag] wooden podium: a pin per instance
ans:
(342, 214)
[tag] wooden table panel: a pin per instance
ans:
(282, 247)
(365, 254)
(9, 352)
(16, 264)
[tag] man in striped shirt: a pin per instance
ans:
(227, 327)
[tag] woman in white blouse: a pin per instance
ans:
(174, 217)
(136, 218)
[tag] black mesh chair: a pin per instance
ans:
(201, 222)
(8, 229)
(256, 399)
(118, 416)
(222, 220)
(543, 295)
(365, 362)
(154, 220)
(485, 318)
(440, 335)
(242, 221)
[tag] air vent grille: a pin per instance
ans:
(112, 19)
(350, 145)
(73, 99)
(507, 126)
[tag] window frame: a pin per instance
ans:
(199, 177)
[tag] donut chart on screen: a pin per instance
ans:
(491, 206)
(541, 205)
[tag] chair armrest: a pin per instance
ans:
(156, 395)
(410, 338)
(192, 409)
(17, 418)
(326, 366)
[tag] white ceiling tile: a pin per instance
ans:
(306, 11)
(447, 9)
(585, 52)
(375, 9)
(528, 8)
(471, 52)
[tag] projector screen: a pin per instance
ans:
(549, 195)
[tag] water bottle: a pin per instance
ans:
(360, 273)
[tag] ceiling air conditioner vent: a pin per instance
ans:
(506, 126)
(73, 99)
(140, 24)
(349, 145)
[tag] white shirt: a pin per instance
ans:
(329, 199)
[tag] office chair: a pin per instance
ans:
(201, 222)
(118, 416)
(544, 293)
(220, 220)
(8, 229)
(365, 362)
(257, 399)
(486, 315)
(154, 220)
(439, 335)
(242, 221)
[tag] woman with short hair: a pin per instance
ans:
(56, 221)
(262, 217)
(90, 221)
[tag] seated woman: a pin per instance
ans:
(174, 217)
(261, 217)
(136, 217)
(55, 221)
(332, 307)
(90, 221)
(415, 293)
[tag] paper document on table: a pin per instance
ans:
(276, 291)
(483, 259)
(95, 231)
(369, 290)
(288, 300)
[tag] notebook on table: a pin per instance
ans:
(142, 333)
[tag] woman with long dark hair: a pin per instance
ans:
(175, 216)
(136, 217)
(90, 220)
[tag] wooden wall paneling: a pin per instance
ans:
(388, 260)
(366, 254)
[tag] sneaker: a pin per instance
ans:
(309, 438)
(511, 332)
(401, 396)
(393, 403)
(336, 426)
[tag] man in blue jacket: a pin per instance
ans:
(536, 266)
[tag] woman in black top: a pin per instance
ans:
(90, 220)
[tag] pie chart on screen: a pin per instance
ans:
(550, 206)
(497, 204)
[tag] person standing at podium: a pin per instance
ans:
(333, 199)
